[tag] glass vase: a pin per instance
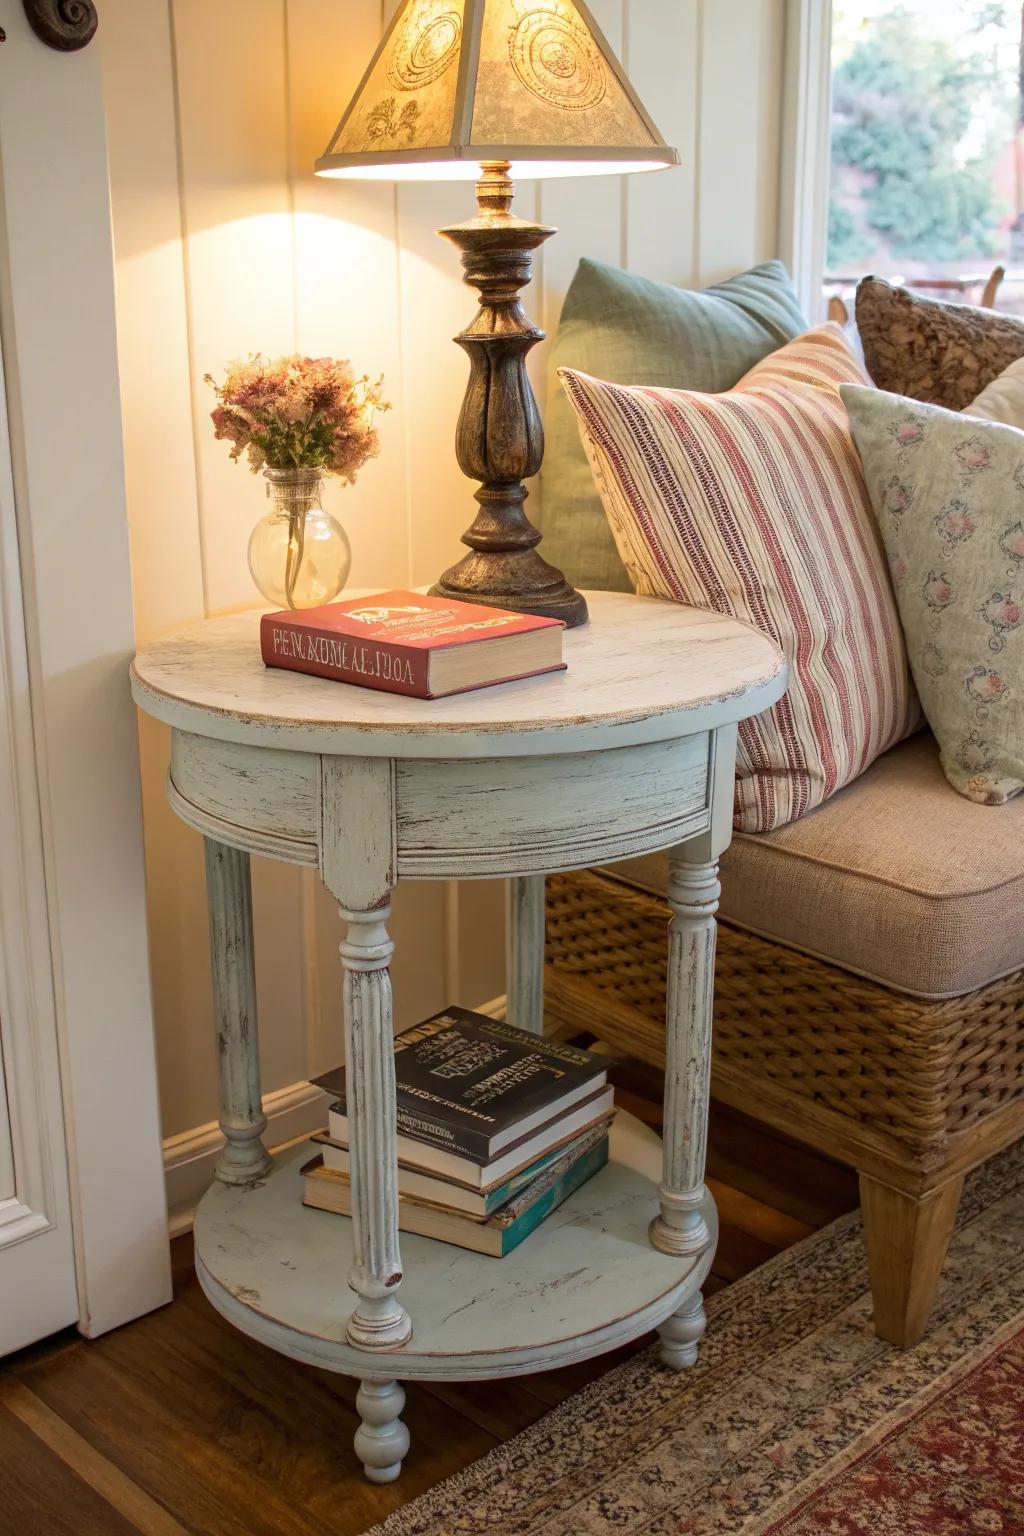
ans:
(299, 555)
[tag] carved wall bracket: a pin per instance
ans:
(64, 24)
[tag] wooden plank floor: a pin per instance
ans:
(176, 1425)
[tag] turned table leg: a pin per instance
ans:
(379, 1321)
(382, 1440)
(681, 1334)
(524, 952)
(244, 1158)
(693, 892)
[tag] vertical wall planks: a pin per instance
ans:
(346, 269)
(230, 62)
(741, 72)
(587, 210)
(480, 941)
(436, 305)
(233, 129)
(417, 968)
(179, 947)
(163, 504)
(345, 253)
(661, 53)
(152, 327)
(766, 134)
(277, 899)
(227, 243)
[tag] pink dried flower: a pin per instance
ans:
(298, 413)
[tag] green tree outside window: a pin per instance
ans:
(920, 121)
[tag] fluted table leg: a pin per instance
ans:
(358, 866)
(379, 1321)
(693, 893)
(244, 1158)
(524, 952)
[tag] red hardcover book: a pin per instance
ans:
(404, 642)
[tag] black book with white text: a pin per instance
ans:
(476, 1087)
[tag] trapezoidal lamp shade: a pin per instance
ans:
(488, 90)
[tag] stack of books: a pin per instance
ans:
(496, 1127)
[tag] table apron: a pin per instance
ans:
(467, 817)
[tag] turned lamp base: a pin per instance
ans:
(500, 439)
(506, 579)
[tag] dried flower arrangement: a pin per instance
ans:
(298, 419)
(298, 413)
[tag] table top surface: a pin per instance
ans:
(641, 670)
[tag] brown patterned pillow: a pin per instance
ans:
(929, 350)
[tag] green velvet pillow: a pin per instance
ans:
(629, 330)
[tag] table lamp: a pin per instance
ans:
(488, 90)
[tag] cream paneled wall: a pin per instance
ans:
(226, 243)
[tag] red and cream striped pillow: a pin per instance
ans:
(753, 503)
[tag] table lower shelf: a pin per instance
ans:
(585, 1282)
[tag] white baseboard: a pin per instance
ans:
(190, 1158)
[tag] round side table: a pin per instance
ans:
(630, 751)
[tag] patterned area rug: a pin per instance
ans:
(796, 1421)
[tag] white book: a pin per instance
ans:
(477, 1204)
(423, 1157)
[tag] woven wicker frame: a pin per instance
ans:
(918, 1074)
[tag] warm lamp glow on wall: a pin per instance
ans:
(486, 90)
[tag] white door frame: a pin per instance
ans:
(804, 173)
(37, 1264)
(76, 725)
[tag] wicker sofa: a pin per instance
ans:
(870, 995)
(870, 989)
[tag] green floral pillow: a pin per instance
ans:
(948, 493)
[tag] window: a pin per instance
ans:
(927, 162)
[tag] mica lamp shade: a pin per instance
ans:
(494, 91)
(459, 82)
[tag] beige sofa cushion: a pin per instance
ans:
(896, 877)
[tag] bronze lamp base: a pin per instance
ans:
(500, 439)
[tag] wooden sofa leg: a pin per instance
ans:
(907, 1240)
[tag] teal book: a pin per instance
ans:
(525, 1213)
(501, 1232)
(429, 1189)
